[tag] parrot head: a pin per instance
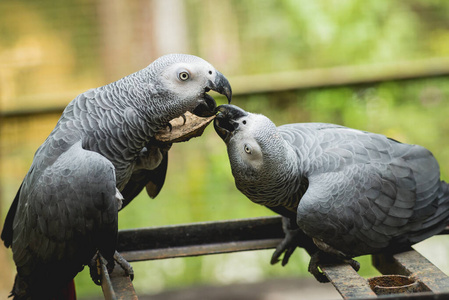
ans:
(186, 80)
(255, 148)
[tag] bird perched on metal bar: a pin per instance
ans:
(351, 192)
(99, 156)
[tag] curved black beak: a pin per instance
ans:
(226, 121)
(208, 107)
(221, 85)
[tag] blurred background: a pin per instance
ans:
(375, 65)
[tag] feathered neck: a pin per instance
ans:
(277, 182)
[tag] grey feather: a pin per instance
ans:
(66, 208)
(365, 193)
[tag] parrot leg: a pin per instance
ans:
(124, 264)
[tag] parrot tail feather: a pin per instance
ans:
(439, 220)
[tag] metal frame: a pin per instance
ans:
(256, 234)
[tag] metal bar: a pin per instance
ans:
(196, 250)
(198, 234)
(347, 281)
(412, 263)
(116, 285)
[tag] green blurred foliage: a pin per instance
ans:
(291, 34)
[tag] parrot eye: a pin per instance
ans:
(247, 149)
(183, 75)
(244, 122)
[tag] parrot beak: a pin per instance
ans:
(225, 123)
(208, 106)
(221, 85)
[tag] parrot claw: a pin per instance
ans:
(294, 237)
(183, 116)
(126, 266)
(315, 259)
(288, 245)
(353, 263)
(170, 127)
(95, 268)
(321, 257)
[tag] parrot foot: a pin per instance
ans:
(321, 257)
(294, 237)
(126, 266)
(313, 268)
(95, 268)
(286, 247)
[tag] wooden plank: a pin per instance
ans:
(412, 263)
(347, 281)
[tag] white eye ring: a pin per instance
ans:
(247, 149)
(183, 75)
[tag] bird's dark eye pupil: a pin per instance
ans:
(244, 122)
(210, 72)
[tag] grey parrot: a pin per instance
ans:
(99, 156)
(343, 192)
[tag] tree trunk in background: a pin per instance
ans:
(115, 34)
(218, 34)
(133, 34)
(6, 277)
(170, 27)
